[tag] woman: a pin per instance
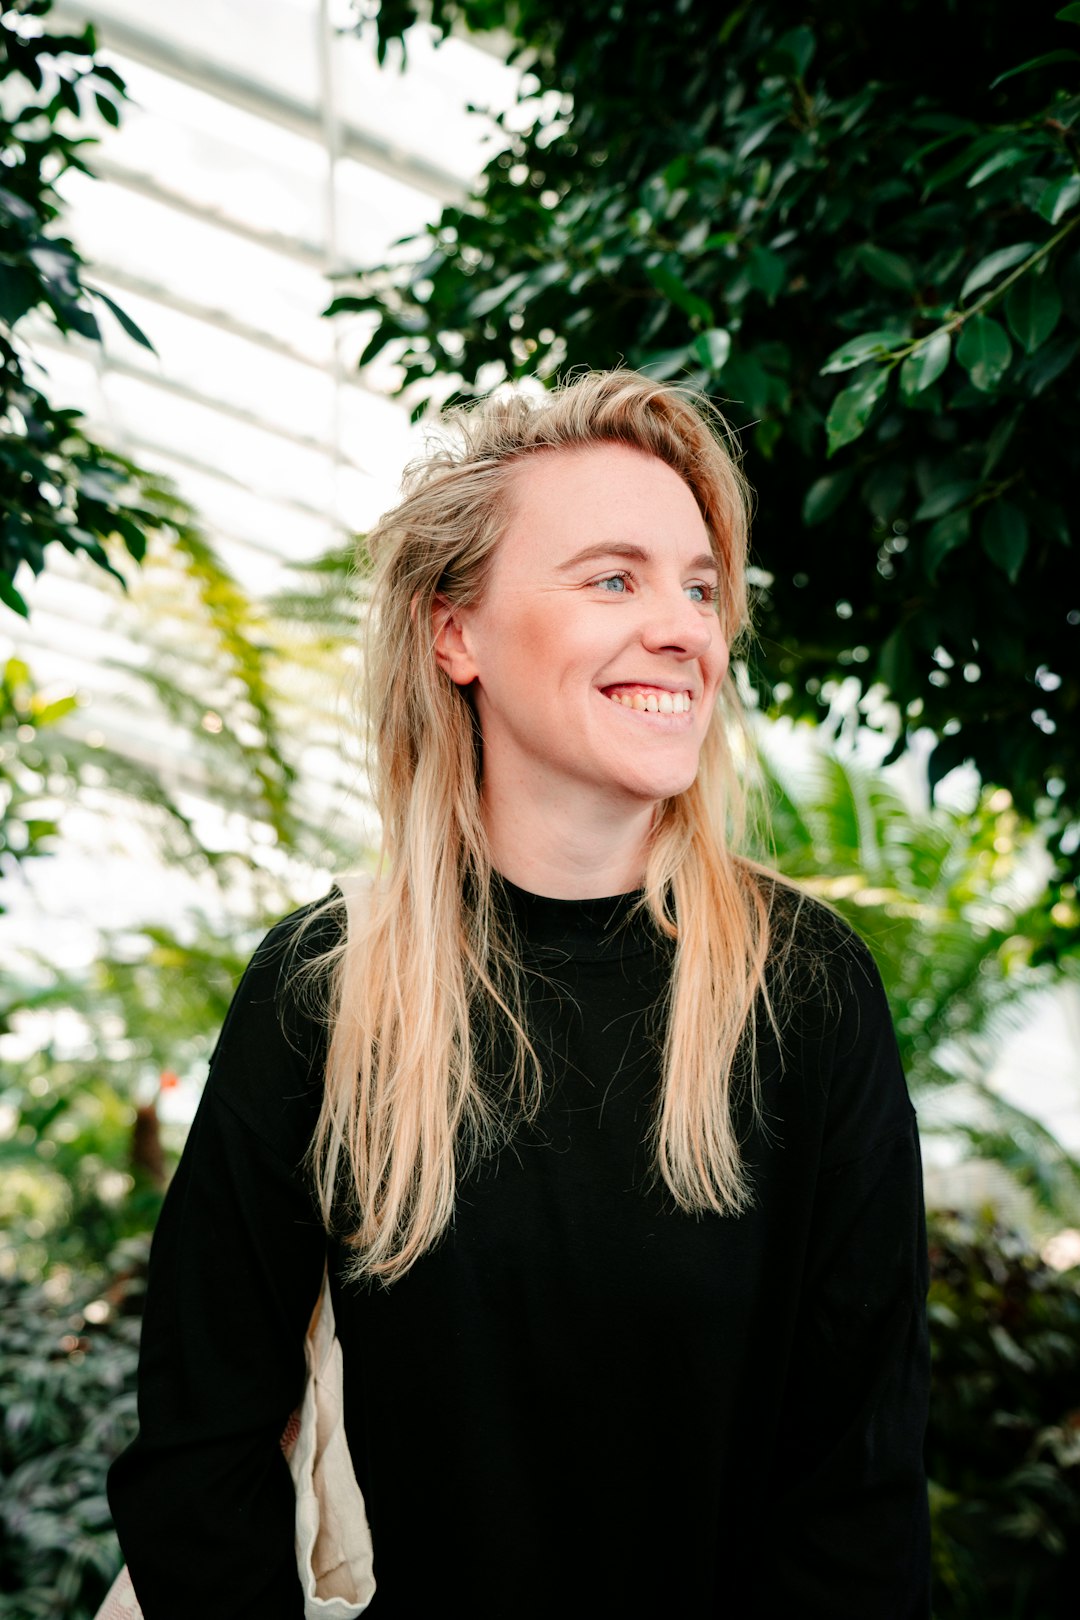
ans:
(609, 1131)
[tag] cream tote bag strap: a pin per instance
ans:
(333, 1542)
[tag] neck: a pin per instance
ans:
(554, 849)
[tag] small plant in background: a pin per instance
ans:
(949, 901)
(57, 485)
(68, 1356)
(1003, 1447)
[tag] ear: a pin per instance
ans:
(450, 642)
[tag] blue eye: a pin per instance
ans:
(705, 593)
(614, 584)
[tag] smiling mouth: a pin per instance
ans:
(650, 699)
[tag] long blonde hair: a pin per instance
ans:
(426, 970)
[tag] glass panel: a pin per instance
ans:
(204, 263)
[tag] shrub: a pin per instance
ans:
(67, 1397)
(1003, 1447)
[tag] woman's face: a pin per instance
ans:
(595, 653)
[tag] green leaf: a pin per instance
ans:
(1005, 159)
(713, 347)
(491, 297)
(925, 364)
(888, 269)
(1036, 62)
(1005, 537)
(108, 110)
(1033, 309)
(1047, 364)
(10, 596)
(895, 663)
(109, 76)
(1050, 520)
(757, 134)
(994, 265)
(674, 288)
(869, 346)
(133, 537)
(852, 409)
(1058, 197)
(19, 292)
(792, 53)
(747, 381)
(768, 272)
(884, 490)
(132, 330)
(17, 207)
(666, 363)
(68, 96)
(47, 714)
(947, 533)
(1069, 13)
(998, 441)
(946, 498)
(984, 351)
(970, 153)
(825, 495)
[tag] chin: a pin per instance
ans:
(667, 785)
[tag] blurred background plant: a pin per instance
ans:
(1003, 1447)
(800, 232)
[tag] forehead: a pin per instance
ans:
(565, 500)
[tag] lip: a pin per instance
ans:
(654, 719)
(649, 686)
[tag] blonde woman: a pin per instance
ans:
(602, 1131)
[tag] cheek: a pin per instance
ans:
(721, 659)
(516, 648)
(539, 638)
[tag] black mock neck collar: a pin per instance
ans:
(593, 930)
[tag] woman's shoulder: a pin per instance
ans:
(806, 931)
(300, 939)
(267, 1064)
(834, 1023)
(822, 974)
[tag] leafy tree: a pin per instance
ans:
(68, 1352)
(945, 899)
(242, 688)
(57, 484)
(856, 228)
(1003, 1444)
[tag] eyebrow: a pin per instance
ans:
(622, 548)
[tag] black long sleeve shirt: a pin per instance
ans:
(582, 1401)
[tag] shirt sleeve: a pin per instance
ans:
(849, 1538)
(203, 1500)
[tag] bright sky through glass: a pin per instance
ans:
(210, 224)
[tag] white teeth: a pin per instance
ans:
(653, 702)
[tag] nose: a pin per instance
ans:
(679, 626)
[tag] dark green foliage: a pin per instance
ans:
(56, 484)
(28, 825)
(81, 1166)
(1003, 1447)
(859, 234)
(67, 1408)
